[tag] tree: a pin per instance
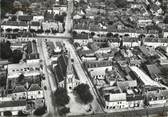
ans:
(164, 72)
(2, 30)
(47, 31)
(64, 111)
(20, 78)
(7, 113)
(39, 31)
(16, 30)
(8, 30)
(109, 34)
(3, 80)
(32, 30)
(61, 97)
(166, 19)
(116, 35)
(20, 113)
(40, 111)
(54, 31)
(16, 56)
(5, 50)
(92, 34)
(84, 93)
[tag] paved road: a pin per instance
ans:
(49, 92)
(69, 21)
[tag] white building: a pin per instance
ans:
(35, 92)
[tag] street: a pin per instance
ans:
(47, 82)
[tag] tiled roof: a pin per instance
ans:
(35, 24)
(135, 97)
(25, 18)
(19, 89)
(14, 23)
(153, 69)
(12, 104)
(34, 87)
(94, 64)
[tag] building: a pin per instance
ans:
(97, 68)
(50, 26)
(13, 106)
(35, 92)
(32, 55)
(35, 25)
(19, 93)
(65, 73)
(25, 18)
(15, 70)
(15, 25)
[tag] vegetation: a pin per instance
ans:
(64, 111)
(20, 113)
(40, 111)
(7, 113)
(21, 78)
(5, 50)
(84, 93)
(16, 56)
(164, 72)
(61, 97)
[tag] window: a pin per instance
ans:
(39, 92)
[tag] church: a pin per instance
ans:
(65, 73)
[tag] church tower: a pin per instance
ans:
(70, 77)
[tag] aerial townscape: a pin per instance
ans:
(84, 58)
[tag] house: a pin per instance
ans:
(19, 93)
(50, 25)
(134, 98)
(14, 25)
(15, 70)
(82, 39)
(156, 95)
(13, 106)
(32, 55)
(65, 73)
(154, 72)
(35, 25)
(25, 18)
(38, 18)
(114, 98)
(59, 9)
(35, 92)
(97, 68)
